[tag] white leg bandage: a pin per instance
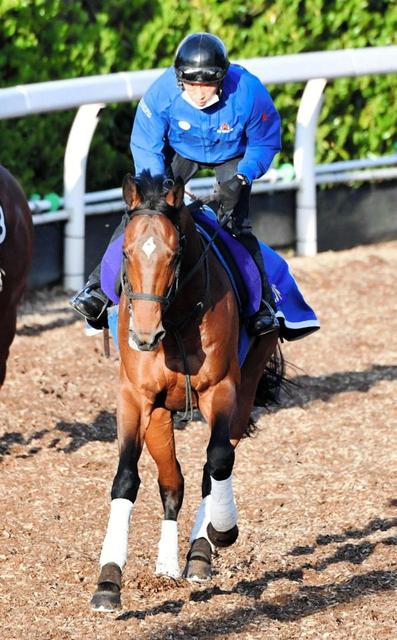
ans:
(115, 544)
(202, 520)
(223, 512)
(167, 558)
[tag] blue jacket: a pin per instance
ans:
(243, 123)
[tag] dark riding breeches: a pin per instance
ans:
(239, 205)
(94, 279)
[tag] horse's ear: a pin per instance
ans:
(175, 196)
(131, 193)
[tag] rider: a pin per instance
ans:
(204, 112)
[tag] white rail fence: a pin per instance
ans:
(91, 94)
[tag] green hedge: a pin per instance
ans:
(52, 39)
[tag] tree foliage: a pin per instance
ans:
(52, 39)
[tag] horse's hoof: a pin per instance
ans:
(107, 595)
(198, 564)
(222, 538)
(197, 571)
(106, 601)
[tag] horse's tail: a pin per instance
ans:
(270, 386)
(272, 380)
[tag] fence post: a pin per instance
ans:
(304, 163)
(75, 163)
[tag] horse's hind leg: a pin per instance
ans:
(251, 374)
(218, 408)
(198, 565)
(7, 333)
(216, 520)
(160, 442)
(124, 492)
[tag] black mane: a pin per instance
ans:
(152, 190)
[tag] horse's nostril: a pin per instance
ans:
(145, 342)
(159, 336)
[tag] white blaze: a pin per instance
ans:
(148, 247)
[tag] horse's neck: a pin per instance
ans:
(194, 271)
(193, 247)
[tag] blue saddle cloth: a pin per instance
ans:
(235, 259)
(297, 318)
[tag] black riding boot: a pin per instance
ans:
(264, 320)
(233, 195)
(91, 302)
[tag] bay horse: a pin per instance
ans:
(16, 242)
(178, 332)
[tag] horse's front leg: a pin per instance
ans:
(123, 495)
(198, 566)
(160, 442)
(216, 520)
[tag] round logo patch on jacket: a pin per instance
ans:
(184, 125)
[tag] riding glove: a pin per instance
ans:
(227, 193)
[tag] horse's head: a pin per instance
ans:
(151, 255)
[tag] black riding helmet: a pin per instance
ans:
(201, 57)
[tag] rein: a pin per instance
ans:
(176, 329)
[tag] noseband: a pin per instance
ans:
(167, 299)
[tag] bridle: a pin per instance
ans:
(167, 299)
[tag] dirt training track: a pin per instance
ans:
(316, 489)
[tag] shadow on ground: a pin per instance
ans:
(103, 429)
(289, 607)
(307, 389)
(35, 329)
(310, 388)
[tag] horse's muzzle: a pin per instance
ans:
(145, 342)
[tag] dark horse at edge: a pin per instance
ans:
(16, 242)
(178, 332)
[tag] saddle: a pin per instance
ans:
(297, 318)
(234, 257)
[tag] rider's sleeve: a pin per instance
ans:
(148, 134)
(263, 131)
